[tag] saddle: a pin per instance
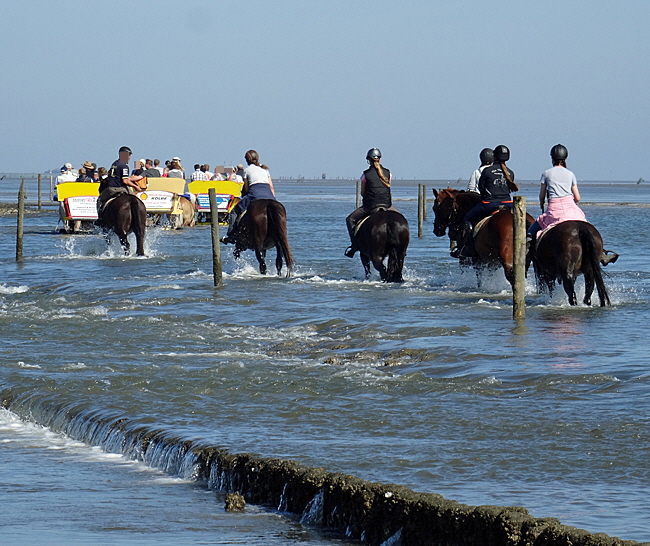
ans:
(482, 221)
(360, 222)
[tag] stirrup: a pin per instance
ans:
(349, 252)
(228, 240)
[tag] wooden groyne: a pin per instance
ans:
(377, 514)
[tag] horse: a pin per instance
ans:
(261, 227)
(494, 241)
(568, 249)
(187, 218)
(126, 214)
(383, 233)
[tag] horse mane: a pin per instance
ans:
(465, 201)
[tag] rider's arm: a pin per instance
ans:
(576, 193)
(363, 184)
(131, 181)
(271, 184)
(542, 195)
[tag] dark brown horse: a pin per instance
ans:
(264, 226)
(123, 215)
(567, 250)
(493, 244)
(384, 233)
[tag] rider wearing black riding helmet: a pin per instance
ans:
(486, 157)
(560, 188)
(494, 185)
(375, 191)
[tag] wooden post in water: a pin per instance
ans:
(519, 258)
(358, 193)
(20, 222)
(216, 249)
(51, 189)
(39, 191)
(424, 202)
(420, 216)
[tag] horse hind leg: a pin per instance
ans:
(261, 259)
(124, 241)
(366, 264)
(589, 288)
(568, 282)
(378, 262)
(278, 260)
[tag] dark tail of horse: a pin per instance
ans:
(395, 246)
(138, 223)
(591, 253)
(277, 219)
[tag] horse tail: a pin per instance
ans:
(395, 251)
(277, 216)
(138, 223)
(592, 254)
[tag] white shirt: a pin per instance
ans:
(473, 180)
(256, 175)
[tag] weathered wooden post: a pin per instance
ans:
(424, 202)
(39, 191)
(420, 215)
(216, 249)
(358, 193)
(20, 222)
(519, 258)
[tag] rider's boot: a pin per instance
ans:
(230, 235)
(351, 250)
(454, 251)
(467, 248)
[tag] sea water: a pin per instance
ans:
(429, 384)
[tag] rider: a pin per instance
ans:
(495, 185)
(559, 185)
(375, 190)
(116, 182)
(257, 185)
(487, 158)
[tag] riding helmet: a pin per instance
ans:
(501, 153)
(373, 153)
(486, 156)
(125, 149)
(559, 152)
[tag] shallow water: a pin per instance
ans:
(428, 384)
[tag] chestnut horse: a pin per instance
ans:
(493, 243)
(384, 233)
(567, 250)
(123, 215)
(264, 226)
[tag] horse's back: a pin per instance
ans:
(267, 221)
(383, 229)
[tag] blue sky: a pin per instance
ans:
(313, 84)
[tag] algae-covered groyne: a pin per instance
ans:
(376, 514)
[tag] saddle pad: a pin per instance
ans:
(360, 222)
(543, 232)
(482, 221)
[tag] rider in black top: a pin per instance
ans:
(495, 185)
(117, 181)
(375, 190)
